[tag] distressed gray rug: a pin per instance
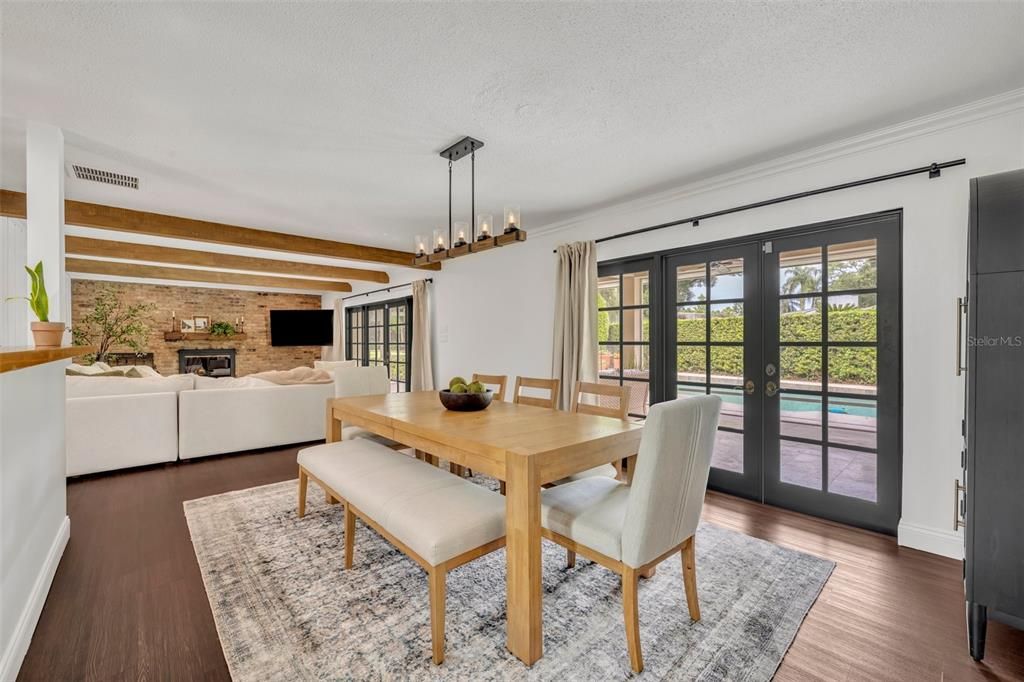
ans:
(286, 610)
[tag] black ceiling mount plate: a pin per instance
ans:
(464, 147)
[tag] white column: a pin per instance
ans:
(44, 188)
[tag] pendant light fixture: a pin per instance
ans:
(479, 233)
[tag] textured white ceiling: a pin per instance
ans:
(326, 119)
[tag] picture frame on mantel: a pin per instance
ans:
(201, 323)
(187, 325)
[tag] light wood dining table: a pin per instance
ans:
(522, 445)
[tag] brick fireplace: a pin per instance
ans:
(207, 362)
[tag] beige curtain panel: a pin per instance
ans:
(422, 370)
(574, 353)
(337, 351)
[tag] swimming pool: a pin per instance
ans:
(850, 406)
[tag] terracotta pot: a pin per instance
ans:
(48, 334)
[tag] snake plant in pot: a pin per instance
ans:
(46, 334)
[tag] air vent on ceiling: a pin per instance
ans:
(107, 177)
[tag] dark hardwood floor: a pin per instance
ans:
(128, 601)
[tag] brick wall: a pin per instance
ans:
(254, 354)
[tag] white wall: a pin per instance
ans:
(34, 526)
(13, 282)
(494, 310)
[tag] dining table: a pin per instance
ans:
(522, 445)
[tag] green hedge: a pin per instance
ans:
(847, 365)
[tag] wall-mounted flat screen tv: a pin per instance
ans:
(301, 327)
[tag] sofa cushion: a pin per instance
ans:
(331, 365)
(87, 387)
(206, 383)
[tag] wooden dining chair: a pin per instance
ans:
(549, 385)
(631, 528)
(496, 380)
(620, 411)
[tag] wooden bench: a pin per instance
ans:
(439, 520)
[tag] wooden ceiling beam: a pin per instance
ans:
(102, 248)
(159, 225)
(99, 267)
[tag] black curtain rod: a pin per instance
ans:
(377, 291)
(933, 171)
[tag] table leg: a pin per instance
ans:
(522, 505)
(332, 430)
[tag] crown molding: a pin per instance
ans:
(947, 119)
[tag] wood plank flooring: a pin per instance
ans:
(128, 601)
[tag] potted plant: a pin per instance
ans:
(46, 334)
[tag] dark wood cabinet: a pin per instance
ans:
(993, 506)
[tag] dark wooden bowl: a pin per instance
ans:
(465, 402)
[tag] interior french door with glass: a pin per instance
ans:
(799, 333)
(713, 338)
(832, 373)
(624, 297)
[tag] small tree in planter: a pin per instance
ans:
(112, 324)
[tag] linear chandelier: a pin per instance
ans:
(452, 243)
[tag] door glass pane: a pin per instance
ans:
(853, 421)
(635, 288)
(853, 473)
(608, 291)
(852, 317)
(636, 361)
(727, 365)
(727, 322)
(800, 271)
(800, 319)
(800, 368)
(690, 323)
(732, 407)
(727, 279)
(800, 464)
(728, 453)
(853, 265)
(688, 391)
(690, 283)
(609, 360)
(609, 325)
(691, 363)
(635, 325)
(800, 415)
(853, 370)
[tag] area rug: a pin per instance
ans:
(285, 608)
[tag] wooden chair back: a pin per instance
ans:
(601, 390)
(550, 385)
(499, 380)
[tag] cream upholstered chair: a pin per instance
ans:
(631, 528)
(350, 382)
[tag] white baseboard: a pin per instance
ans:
(942, 542)
(16, 649)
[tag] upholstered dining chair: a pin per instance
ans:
(620, 411)
(496, 382)
(630, 528)
(350, 382)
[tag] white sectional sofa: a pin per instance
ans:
(119, 422)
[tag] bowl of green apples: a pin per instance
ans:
(464, 396)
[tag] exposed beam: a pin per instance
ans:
(99, 267)
(102, 248)
(160, 225)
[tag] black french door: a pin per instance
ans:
(798, 331)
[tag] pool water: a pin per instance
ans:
(857, 408)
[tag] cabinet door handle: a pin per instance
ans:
(961, 308)
(957, 489)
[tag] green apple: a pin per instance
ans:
(476, 387)
(459, 388)
(456, 380)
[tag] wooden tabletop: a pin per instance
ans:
(558, 438)
(12, 358)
